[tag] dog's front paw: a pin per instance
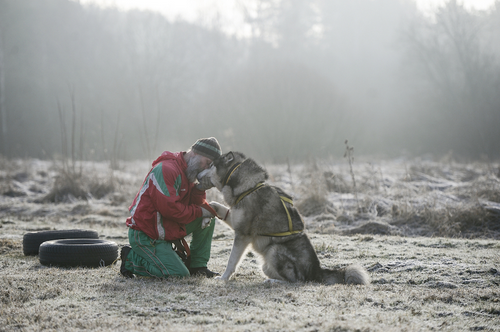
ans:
(222, 278)
(219, 208)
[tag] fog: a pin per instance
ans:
(93, 83)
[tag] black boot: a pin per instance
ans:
(123, 255)
(203, 271)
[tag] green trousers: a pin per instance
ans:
(150, 257)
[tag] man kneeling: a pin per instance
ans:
(166, 209)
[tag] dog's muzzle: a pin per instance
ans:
(204, 180)
(202, 174)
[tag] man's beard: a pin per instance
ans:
(193, 168)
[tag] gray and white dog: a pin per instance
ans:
(263, 215)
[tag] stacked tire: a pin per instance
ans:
(33, 240)
(74, 247)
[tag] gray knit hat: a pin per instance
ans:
(207, 147)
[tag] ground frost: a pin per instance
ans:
(427, 232)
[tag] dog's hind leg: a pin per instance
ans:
(278, 267)
(240, 244)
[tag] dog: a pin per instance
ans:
(263, 216)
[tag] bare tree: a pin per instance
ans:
(462, 73)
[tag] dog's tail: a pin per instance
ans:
(354, 274)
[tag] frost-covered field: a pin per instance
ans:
(427, 231)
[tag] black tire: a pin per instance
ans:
(33, 240)
(78, 252)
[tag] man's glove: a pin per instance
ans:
(206, 213)
(207, 218)
(204, 182)
(205, 222)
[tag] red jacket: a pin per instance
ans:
(167, 201)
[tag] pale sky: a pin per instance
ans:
(191, 10)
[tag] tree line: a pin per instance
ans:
(97, 83)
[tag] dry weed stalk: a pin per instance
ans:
(70, 167)
(117, 143)
(71, 184)
(349, 154)
(289, 170)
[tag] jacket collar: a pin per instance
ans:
(167, 155)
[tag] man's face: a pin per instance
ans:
(195, 165)
(205, 163)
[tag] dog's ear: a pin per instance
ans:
(229, 157)
(224, 160)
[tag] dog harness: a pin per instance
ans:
(248, 192)
(284, 200)
(229, 173)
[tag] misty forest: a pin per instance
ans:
(99, 83)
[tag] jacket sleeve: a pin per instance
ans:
(168, 195)
(198, 196)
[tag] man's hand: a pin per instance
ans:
(207, 218)
(205, 222)
(206, 213)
